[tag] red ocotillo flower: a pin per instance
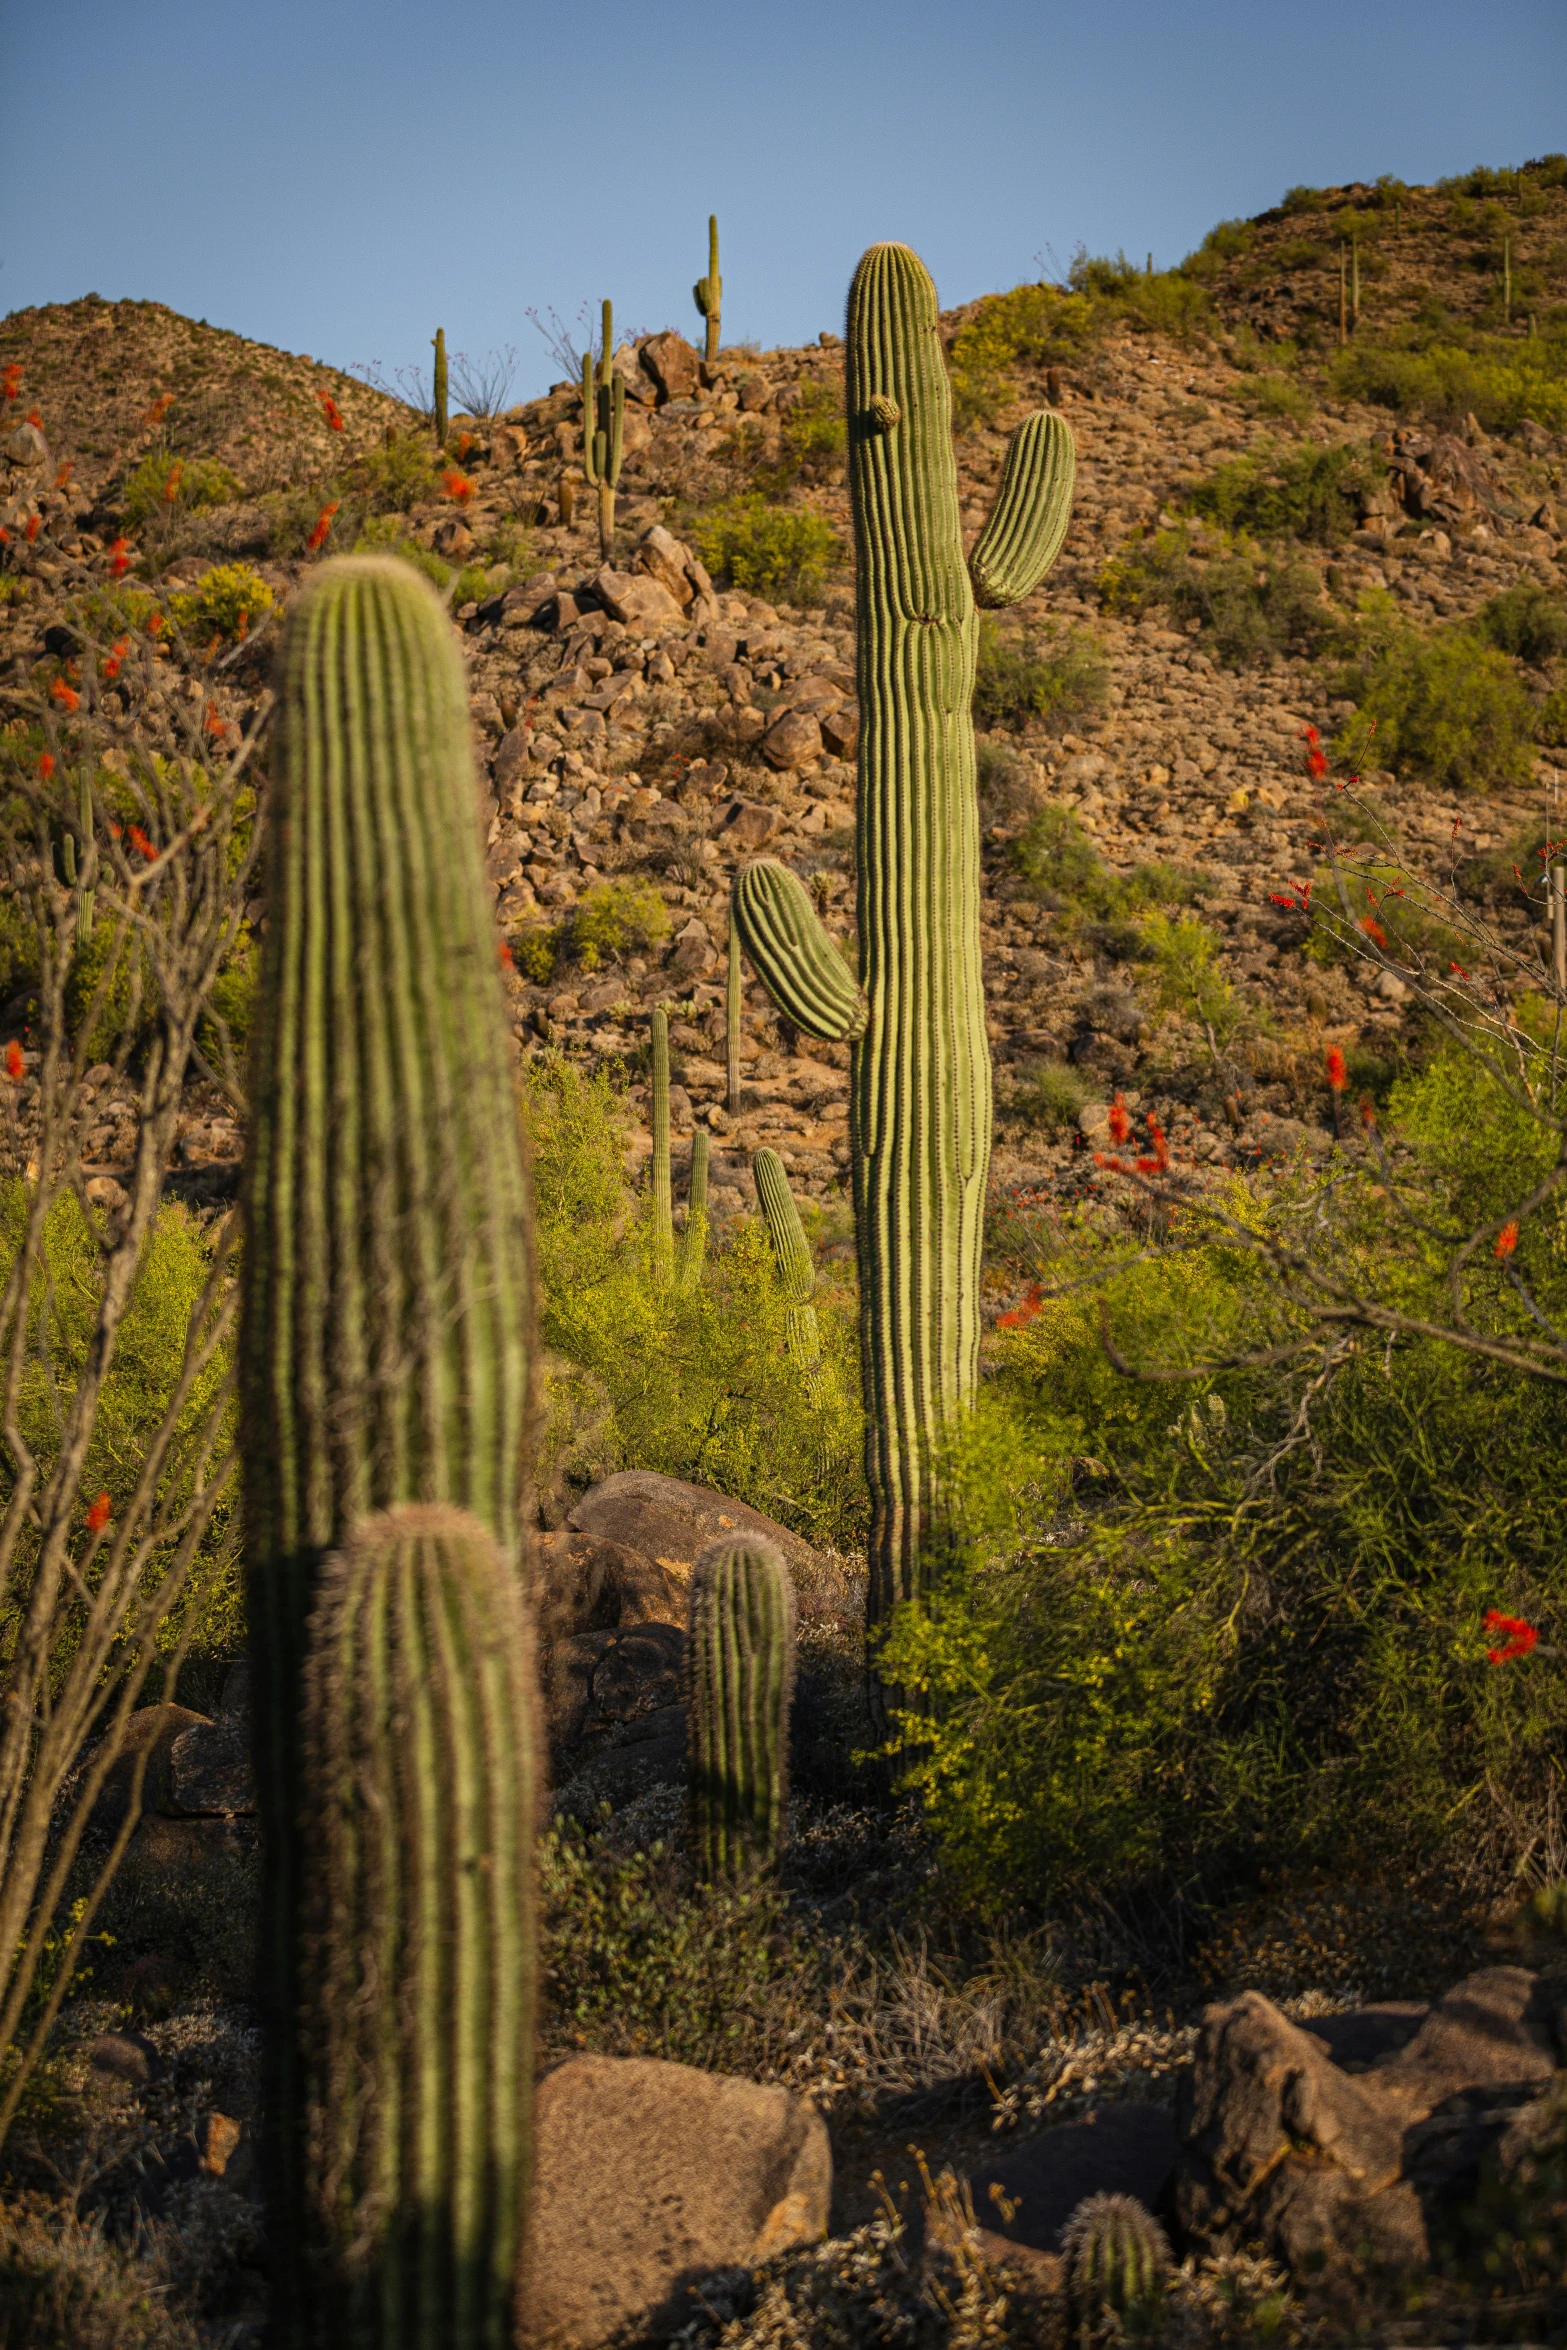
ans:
(323, 524)
(1368, 1113)
(508, 960)
(34, 524)
(1338, 1074)
(1159, 1158)
(11, 381)
(171, 488)
(331, 411)
(35, 416)
(158, 411)
(1374, 930)
(1120, 1123)
(142, 845)
(119, 557)
(154, 623)
(1507, 1239)
(15, 1066)
(111, 667)
(1521, 1637)
(98, 1515)
(46, 764)
(457, 485)
(1023, 1313)
(67, 696)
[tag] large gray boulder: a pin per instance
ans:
(1282, 2146)
(672, 1522)
(648, 2176)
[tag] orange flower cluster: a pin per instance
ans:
(111, 667)
(1507, 1239)
(1316, 757)
(46, 764)
(66, 695)
(11, 381)
(119, 557)
(158, 411)
(34, 523)
(1521, 1637)
(331, 411)
(1338, 1074)
(323, 524)
(171, 488)
(1023, 1314)
(457, 485)
(15, 1066)
(141, 844)
(98, 1515)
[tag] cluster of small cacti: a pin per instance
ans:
(708, 292)
(741, 1628)
(920, 1088)
(603, 428)
(1117, 2260)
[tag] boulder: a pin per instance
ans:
(841, 730)
(210, 1772)
(746, 824)
(664, 558)
(25, 445)
(1024, 2196)
(601, 1683)
(453, 539)
(671, 1522)
(689, 958)
(793, 740)
(673, 365)
(150, 1731)
(588, 1584)
(1281, 2145)
(634, 597)
(647, 2177)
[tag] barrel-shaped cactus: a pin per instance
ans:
(386, 1294)
(742, 1629)
(440, 387)
(603, 429)
(920, 1107)
(795, 1263)
(1117, 2261)
(708, 292)
(422, 1749)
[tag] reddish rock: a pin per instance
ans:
(673, 365)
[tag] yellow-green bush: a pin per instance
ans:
(227, 601)
(616, 918)
(1447, 708)
(1248, 601)
(1054, 679)
(1032, 325)
(164, 484)
(1308, 493)
(782, 551)
(1500, 381)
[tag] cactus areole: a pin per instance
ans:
(921, 1092)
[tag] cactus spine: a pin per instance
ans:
(421, 1784)
(386, 1295)
(1117, 2259)
(796, 1265)
(708, 292)
(742, 1624)
(603, 428)
(920, 1088)
(663, 1189)
(733, 998)
(694, 1256)
(440, 387)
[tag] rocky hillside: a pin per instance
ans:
(649, 720)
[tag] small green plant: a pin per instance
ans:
(615, 919)
(1305, 494)
(387, 534)
(1247, 601)
(1271, 394)
(1528, 621)
(815, 434)
(396, 477)
(535, 951)
(776, 551)
(1447, 708)
(1117, 2261)
(166, 487)
(1049, 1094)
(1018, 679)
(227, 601)
(1304, 199)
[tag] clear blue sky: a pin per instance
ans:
(341, 176)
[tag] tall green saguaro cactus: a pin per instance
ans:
(796, 1265)
(694, 1254)
(663, 1184)
(421, 1767)
(440, 387)
(708, 292)
(920, 1089)
(386, 1301)
(603, 428)
(733, 1005)
(741, 1619)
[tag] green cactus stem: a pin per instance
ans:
(603, 429)
(708, 292)
(440, 387)
(742, 1631)
(920, 1085)
(386, 1332)
(422, 1757)
(796, 1265)
(694, 1254)
(733, 1003)
(663, 1238)
(1117, 2261)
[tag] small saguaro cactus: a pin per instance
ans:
(920, 1096)
(440, 387)
(663, 1189)
(708, 292)
(694, 1255)
(741, 1620)
(386, 1326)
(1117, 2261)
(603, 428)
(422, 1756)
(796, 1265)
(733, 998)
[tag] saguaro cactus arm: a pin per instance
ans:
(794, 958)
(1029, 519)
(796, 1265)
(694, 1254)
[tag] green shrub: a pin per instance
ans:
(1166, 301)
(1207, 1672)
(1034, 324)
(1049, 1094)
(1248, 602)
(535, 951)
(1305, 494)
(1006, 783)
(1529, 621)
(1550, 724)
(397, 477)
(1304, 199)
(1227, 241)
(815, 433)
(1018, 680)
(615, 919)
(227, 601)
(109, 992)
(1447, 708)
(63, 2286)
(232, 999)
(1272, 394)
(1500, 382)
(387, 534)
(167, 485)
(774, 551)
